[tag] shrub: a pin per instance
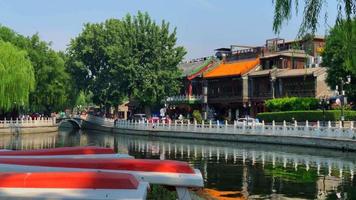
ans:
(197, 116)
(310, 115)
(292, 104)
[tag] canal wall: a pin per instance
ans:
(26, 126)
(311, 137)
(251, 138)
(26, 130)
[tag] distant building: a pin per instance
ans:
(288, 69)
(238, 80)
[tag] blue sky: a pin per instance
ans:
(202, 25)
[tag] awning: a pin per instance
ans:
(232, 68)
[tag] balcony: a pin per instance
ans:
(187, 99)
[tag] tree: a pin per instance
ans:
(311, 13)
(336, 48)
(16, 77)
(152, 60)
(133, 57)
(90, 62)
(52, 88)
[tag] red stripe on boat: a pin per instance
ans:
(145, 165)
(73, 180)
(59, 151)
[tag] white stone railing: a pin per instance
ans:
(28, 122)
(304, 130)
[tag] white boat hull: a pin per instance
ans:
(74, 194)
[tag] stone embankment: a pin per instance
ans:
(305, 135)
(24, 126)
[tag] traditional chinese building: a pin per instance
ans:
(191, 96)
(227, 83)
(288, 69)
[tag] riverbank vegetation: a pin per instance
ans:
(292, 104)
(16, 77)
(48, 79)
(310, 115)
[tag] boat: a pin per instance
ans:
(64, 152)
(163, 172)
(82, 185)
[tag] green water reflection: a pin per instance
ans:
(257, 171)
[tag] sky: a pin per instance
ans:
(202, 25)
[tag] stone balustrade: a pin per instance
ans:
(27, 122)
(295, 129)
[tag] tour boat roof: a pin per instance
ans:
(74, 180)
(60, 151)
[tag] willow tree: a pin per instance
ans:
(16, 77)
(313, 12)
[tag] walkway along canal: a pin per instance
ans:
(311, 136)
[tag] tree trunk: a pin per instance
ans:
(148, 111)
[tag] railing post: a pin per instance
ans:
(195, 124)
(202, 124)
(329, 124)
(352, 125)
(273, 127)
(5, 122)
(210, 124)
(226, 125)
(340, 124)
(217, 124)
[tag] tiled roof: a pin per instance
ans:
(301, 72)
(232, 69)
(287, 53)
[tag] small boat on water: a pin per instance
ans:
(64, 152)
(162, 172)
(71, 186)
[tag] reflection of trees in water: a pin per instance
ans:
(28, 141)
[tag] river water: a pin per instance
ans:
(230, 170)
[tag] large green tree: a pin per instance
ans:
(133, 57)
(51, 89)
(334, 57)
(16, 77)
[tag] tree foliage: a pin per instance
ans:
(311, 14)
(133, 57)
(336, 47)
(16, 77)
(51, 89)
(291, 104)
